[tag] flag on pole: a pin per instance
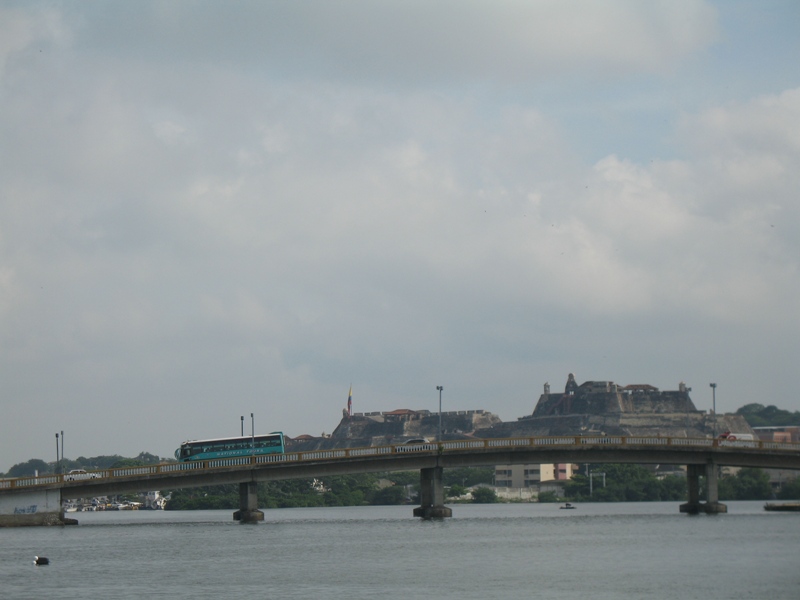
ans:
(350, 402)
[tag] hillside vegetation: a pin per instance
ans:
(758, 415)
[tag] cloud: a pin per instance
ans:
(413, 41)
(23, 28)
(199, 224)
(754, 144)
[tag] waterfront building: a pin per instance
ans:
(525, 476)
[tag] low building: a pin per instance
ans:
(526, 476)
(786, 433)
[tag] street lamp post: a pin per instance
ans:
(242, 418)
(58, 462)
(591, 476)
(62, 447)
(713, 397)
(440, 388)
(252, 434)
(714, 405)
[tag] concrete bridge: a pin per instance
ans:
(38, 500)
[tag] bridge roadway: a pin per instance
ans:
(31, 500)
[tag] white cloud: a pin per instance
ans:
(752, 149)
(203, 233)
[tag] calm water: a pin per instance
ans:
(618, 551)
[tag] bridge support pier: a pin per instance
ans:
(33, 507)
(712, 504)
(431, 495)
(248, 504)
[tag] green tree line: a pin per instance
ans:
(624, 483)
(95, 463)
(342, 490)
(758, 415)
(635, 483)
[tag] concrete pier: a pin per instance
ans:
(33, 507)
(712, 504)
(431, 495)
(248, 504)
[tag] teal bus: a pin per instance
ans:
(272, 443)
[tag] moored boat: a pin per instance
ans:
(786, 507)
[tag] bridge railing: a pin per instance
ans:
(506, 443)
(128, 471)
(33, 481)
(370, 451)
(465, 445)
(404, 448)
(605, 441)
(647, 441)
(701, 442)
(554, 441)
(180, 466)
(779, 445)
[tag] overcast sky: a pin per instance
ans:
(211, 209)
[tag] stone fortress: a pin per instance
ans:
(604, 407)
(591, 408)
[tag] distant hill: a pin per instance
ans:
(758, 415)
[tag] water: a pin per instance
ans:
(619, 551)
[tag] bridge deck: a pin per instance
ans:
(454, 453)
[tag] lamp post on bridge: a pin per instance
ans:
(252, 434)
(714, 405)
(440, 388)
(62, 448)
(242, 418)
(58, 461)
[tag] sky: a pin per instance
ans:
(212, 209)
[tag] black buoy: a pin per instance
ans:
(41, 560)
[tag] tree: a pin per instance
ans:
(98, 462)
(577, 488)
(456, 490)
(624, 483)
(30, 468)
(290, 493)
(790, 490)
(127, 462)
(148, 459)
(205, 498)
(758, 415)
(484, 495)
(747, 484)
(395, 494)
(350, 490)
(466, 476)
(673, 487)
(403, 477)
(754, 484)
(548, 496)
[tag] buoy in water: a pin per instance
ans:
(41, 560)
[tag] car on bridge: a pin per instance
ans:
(80, 474)
(736, 436)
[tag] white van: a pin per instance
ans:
(737, 436)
